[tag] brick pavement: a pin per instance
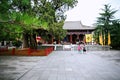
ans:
(59, 65)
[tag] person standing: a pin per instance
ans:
(83, 47)
(80, 48)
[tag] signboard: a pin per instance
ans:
(88, 37)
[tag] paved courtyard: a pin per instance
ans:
(62, 65)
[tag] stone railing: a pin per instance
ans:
(97, 47)
(88, 47)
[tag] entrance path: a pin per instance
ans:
(59, 65)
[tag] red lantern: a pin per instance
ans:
(38, 38)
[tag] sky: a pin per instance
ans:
(87, 11)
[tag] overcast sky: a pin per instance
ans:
(86, 11)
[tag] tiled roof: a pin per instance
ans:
(76, 25)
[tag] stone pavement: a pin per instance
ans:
(111, 55)
(59, 65)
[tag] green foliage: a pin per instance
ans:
(115, 34)
(52, 10)
(21, 5)
(106, 17)
(17, 43)
(58, 32)
(4, 9)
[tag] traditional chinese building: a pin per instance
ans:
(76, 31)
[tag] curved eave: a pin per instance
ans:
(76, 25)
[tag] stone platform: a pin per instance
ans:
(60, 65)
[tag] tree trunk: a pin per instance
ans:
(33, 43)
(25, 40)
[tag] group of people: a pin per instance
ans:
(81, 47)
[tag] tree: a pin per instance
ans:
(19, 21)
(52, 10)
(23, 16)
(57, 31)
(105, 20)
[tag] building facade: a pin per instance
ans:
(76, 31)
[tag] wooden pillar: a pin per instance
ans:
(77, 36)
(71, 38)
(84, 39)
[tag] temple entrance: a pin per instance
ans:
(74, 38)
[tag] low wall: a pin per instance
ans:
(3, 48)
(28, 52)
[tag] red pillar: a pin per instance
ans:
(29, 51)
(13, 51)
